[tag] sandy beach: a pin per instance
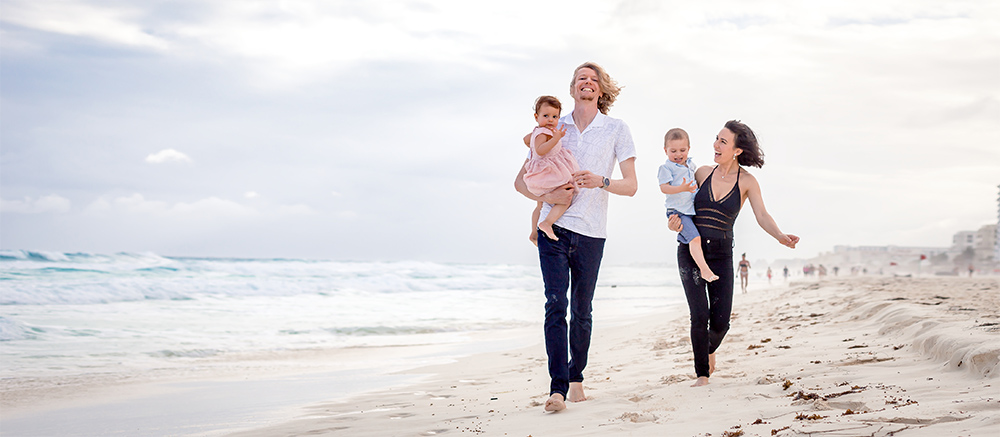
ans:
(875, 356)
(860, 356)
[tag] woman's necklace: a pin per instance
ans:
(723, 176)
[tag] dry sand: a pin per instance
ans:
(840, 357)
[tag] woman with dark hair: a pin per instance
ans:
(723, 190)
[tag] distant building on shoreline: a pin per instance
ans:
(979, 250)
(980, 245)
(969, 248)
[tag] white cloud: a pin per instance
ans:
(51, 203)
(251, 195)
(207, 209)
(291, 42)
(298, 209)
(78, 18)
(210, 207)
(167, 155)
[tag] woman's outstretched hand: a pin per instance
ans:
(788, 240)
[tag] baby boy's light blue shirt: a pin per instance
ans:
(672, 173)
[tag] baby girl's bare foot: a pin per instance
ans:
(546, 227)
(533, 238)
(576, 392)
(702, 380)
(555, 403)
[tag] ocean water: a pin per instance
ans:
(79, 313)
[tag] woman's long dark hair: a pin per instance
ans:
(746, 141)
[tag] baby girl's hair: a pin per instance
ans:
(547, 100)
(675, 134)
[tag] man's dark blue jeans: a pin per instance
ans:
(568, 265)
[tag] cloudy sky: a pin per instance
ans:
(391, 130)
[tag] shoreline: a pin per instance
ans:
(844, 356)
(920, 355)
(105, 403)
(167, 400)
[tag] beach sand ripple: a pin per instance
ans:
(841, 357)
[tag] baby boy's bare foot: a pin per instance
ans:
(546, 227)
(576, 392)
(708, 276)
(702, 380)
(555, 403)
(533, 238)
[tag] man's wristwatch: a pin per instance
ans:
(607, 183)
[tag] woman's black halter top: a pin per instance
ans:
(715, 217)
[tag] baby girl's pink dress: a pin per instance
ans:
(550, 171)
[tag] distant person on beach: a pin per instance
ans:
(676, 177)
(549, 165)
(570, 264)
(724, 189)
(786, 273)
(744, 273)
(769, 274)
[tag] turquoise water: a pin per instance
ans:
(77, 313)
(212, 344)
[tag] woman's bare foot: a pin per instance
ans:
(546, 227)
(576, 392)
(555, 403)
(702, 380)
(711, 364)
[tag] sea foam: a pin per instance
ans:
(81, 312)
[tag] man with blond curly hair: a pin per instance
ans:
(570, 264)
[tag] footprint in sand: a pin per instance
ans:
(674, 379)
(637, 417)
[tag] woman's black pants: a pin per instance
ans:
(710, 303)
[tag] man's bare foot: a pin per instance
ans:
(576, 392)
(546, 227)
(555, 403)
(702, 380)
(711, 364)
